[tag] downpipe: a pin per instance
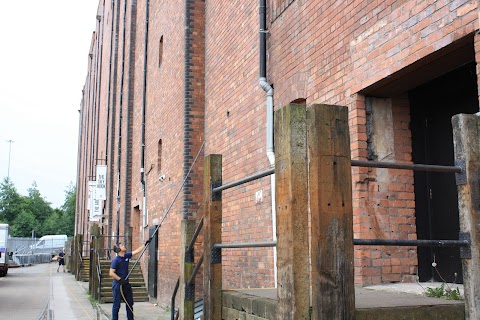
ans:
(267, 87)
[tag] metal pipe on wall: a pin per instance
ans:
(144, 108)
(269, 125)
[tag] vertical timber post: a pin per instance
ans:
(293, 284)
(73, 257)
(78, 253)
(187, 291)
(212, 272)
(466, 139)
(330, 189)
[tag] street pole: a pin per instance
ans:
(9, 153)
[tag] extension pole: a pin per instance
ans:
(168, 210)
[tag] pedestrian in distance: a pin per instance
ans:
(61, 260)
(121, 288)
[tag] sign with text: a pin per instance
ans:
(101, 182)
(91, 186)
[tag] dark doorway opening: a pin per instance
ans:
(432, 107)
(152, 262)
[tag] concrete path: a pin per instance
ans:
(68, 299)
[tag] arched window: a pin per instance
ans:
(159, 159)
(160, 52)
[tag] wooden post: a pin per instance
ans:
(212, 272)
(73, 256)
(187, 292)
(330, 178)
(92, 279)
(466, 138)
(293, 282)
(78, 249)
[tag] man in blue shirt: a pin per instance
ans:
(122, 291)
(61, 260)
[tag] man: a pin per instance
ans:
(122, 291)
(61, 260)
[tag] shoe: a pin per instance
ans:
(63, 270)
(57, 270)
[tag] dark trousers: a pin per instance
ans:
(118, 298)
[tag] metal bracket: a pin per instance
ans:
(461, 178)
(465, 252)
(190, 291)
(189, 256)
(216, 196)
(216, 255)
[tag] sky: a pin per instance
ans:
(43, 66)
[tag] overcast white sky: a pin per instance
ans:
(43, 65)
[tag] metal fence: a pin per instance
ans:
(26, 252)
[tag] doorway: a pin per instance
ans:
(432, 106)
(152, 262)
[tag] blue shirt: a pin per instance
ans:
(120, 264)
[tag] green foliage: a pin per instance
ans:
(444, 293)
(33, 212)
(11, 203)
(68, 209)
(24, 224)
(39, 205)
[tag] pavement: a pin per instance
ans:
(70, 299)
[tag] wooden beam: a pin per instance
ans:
(187, 292)
(330, 189)
(466, 138)
(293, 281)
(212, 227)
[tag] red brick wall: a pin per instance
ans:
(321, 51)
(235, 127)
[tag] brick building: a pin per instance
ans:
(166, 77)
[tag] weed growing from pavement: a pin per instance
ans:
(441, 292)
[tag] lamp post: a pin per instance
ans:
(9, 153)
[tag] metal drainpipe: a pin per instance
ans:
(119, 155)
(144, 106)
(269, 90)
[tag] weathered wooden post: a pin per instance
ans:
(466, 138)
(212, 272)
(92, 281)
(77, 253)
(293, 281)
(330, 189)
(187, 292)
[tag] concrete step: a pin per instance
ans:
(369, 305)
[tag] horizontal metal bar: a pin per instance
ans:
(244, 180)
(195, 270)
(405, 166)
(245, 245)
(195, 235)
(411, 243)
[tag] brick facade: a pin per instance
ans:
(201, 74)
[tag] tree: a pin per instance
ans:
(24, 223)
(11, 202)
(38, 205)
(68, 208)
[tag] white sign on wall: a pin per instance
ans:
(94, 205)
(91, 186)
(101, 182)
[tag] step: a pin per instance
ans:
(136, 298)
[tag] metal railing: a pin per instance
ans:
(80, 267)
(99, 277)
(406, 166)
